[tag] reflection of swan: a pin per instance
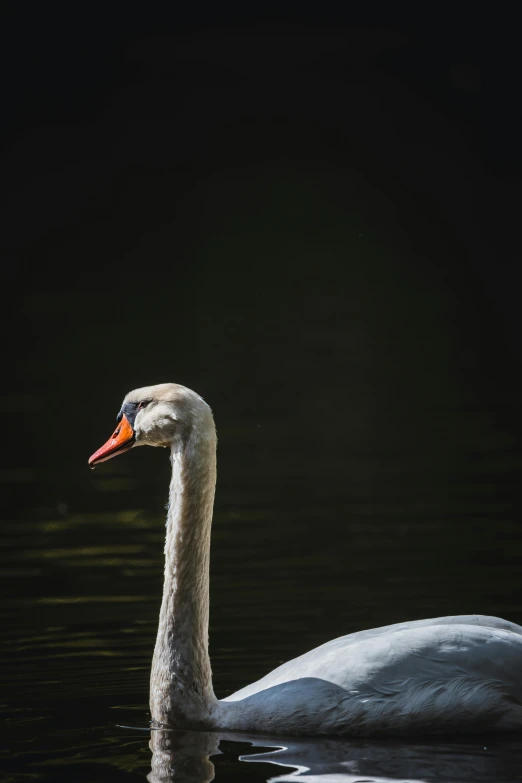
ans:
(341, 761)
(183, 757)
(450, 674)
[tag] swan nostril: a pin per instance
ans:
(116, 432)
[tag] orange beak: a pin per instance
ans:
(122, 439)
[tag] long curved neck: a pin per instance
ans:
(181, 692)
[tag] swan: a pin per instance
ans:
(437, 676)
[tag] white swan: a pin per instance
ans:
(449, 674)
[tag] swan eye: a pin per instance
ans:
(143, 404)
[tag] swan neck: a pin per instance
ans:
(181, 677)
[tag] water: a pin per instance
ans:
(301, 246)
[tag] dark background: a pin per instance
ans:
(297, 214)
(311, 218)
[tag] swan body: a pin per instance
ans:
(444, 675)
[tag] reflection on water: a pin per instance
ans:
(193, 757)
(182, 756)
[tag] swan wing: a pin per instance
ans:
(337, 650)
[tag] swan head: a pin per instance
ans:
(155, 416)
